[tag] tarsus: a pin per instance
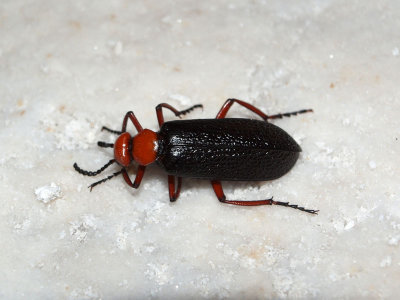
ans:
(295, 113)
(184, 112)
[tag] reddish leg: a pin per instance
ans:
(228, 103)
(134, 120)
(174, 193)
(178, 113)
(138, 178)
(221, 197)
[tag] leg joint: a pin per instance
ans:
(221, 198)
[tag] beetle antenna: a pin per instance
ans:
(103, 180)
(105, 145)
(311, 211)
(110, 130)
(295, 113)
(184, 112)
(89, 173)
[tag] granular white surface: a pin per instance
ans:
(69, 67)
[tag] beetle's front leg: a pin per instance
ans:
(129, 115)
(138, 178)
(133, 119)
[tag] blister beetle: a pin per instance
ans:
(231, 149)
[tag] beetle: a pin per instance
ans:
(220, 149)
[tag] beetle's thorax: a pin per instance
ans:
(144, 147)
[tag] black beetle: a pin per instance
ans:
(214, 149)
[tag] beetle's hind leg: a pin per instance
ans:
(222, 198)
(178, 113)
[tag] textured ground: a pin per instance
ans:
(69, 67)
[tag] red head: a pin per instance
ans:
(142, 148)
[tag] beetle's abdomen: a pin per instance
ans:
(226, 149)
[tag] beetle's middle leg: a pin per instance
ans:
(178, 113)
(228, 103)
(174, 193)
(222, 198)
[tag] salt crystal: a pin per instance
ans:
(394, 241)
(118, 48)
(372, 164)
(349, 225)
(48, 193)
(386, 262)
